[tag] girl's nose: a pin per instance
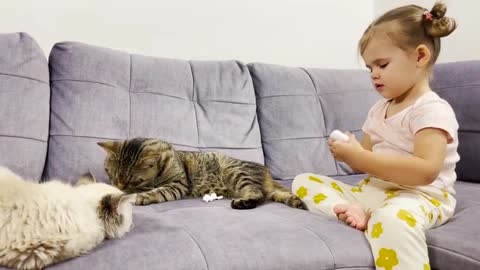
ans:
(374, 74)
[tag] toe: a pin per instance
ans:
(340, 208)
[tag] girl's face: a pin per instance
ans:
(393, 71)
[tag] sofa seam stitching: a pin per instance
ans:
(304, 138)
(22, 137)
(321, 108)
(453, 252)
(130, 101)
(84, 81)
(317, 236)
(455, 86)
(193, 104)
(196, 243)
(25, 77)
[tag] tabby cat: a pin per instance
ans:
(157, 173)
(42, 224)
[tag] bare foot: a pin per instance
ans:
(353, 215)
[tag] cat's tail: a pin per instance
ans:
(279, 193)
(36, 255)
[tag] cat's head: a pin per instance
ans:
(133, 164)
(114, 208)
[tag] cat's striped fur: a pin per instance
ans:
(157, 172)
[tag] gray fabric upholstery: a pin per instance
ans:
(297, 110)
(459, 84)
(192, 234)
(100, 94)
(24, 105)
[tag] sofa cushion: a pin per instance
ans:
(192, 234)
(101, 94)
(459, 84)
(297, 110)
(24, 105)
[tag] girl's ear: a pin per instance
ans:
(423, 54)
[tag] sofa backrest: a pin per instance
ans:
(298, 108)
(459, 84)
(101, 94)
(24, 105)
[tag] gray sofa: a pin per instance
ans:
(53, 114)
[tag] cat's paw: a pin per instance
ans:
(145, 198)
(295, 202)
(244, 203)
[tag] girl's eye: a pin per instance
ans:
(384, 65)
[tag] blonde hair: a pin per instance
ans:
(409, 26)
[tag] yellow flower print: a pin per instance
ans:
(423, 210)
(439, 217)
(435, 202)
(377, 230)
(315, 179)
(319, 197)
(445, 194)
(366, 180)
(385, 204)
(426, 266)
(390, 194)
(407, 217)
(337, 187)
(302, 192)
(430, 217)
(359, 189)
(387, 258)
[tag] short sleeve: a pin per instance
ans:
(435, 114)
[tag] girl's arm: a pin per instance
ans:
(421, 169)
(367, 145)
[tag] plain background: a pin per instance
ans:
(308, 33)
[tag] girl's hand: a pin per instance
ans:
(342, 150)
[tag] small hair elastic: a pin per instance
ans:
(428, 16)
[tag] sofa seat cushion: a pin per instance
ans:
(192, 234)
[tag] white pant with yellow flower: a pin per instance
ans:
(399, 214)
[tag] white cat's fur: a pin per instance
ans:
(45, 223)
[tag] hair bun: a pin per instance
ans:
(439, 10)
(439, 25)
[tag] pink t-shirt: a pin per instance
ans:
(395, 135)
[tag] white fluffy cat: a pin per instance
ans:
(42, 224)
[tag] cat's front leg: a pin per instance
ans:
(158, 195)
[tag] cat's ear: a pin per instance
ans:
(86, 179)
(110, 146)
(149, 161)
(114, 203)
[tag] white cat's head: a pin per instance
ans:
(114, 207)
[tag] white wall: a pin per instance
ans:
(463, 43)
(310, 33)
(316, 33)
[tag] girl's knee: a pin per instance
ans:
(394, 220)
(301, 178)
